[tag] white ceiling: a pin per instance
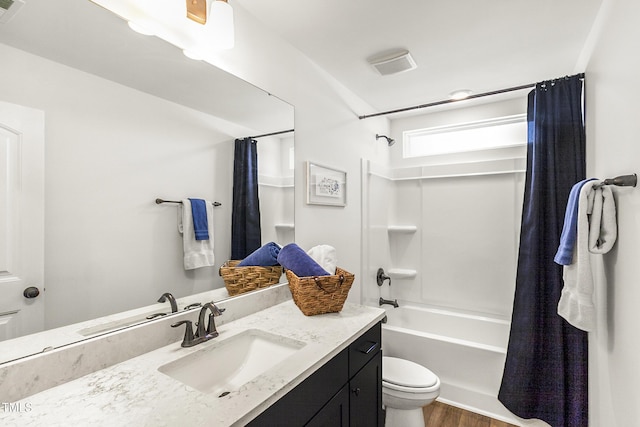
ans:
(481, 45)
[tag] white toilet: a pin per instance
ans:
(406, 388)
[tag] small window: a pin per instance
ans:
(482, 135)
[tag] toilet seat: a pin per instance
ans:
(405, 375)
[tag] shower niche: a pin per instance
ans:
(399, 239)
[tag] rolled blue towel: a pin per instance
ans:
(293, 258)
(264, 256)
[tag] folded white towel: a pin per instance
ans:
(197, 253)
(326, 256)
(597, 231)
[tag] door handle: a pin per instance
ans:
(31, 292)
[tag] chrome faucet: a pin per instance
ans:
(383, 301)
(167, 296)
(210, 331)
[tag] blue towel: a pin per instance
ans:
(293, 258)
(564, 255)
(200, 224)
(264, 256)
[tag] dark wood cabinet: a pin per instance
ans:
(365, 403)
(346, 391)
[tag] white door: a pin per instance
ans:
(21, 220)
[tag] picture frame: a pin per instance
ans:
(326, 186)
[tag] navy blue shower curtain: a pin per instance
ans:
(545, 374)
(245, 215)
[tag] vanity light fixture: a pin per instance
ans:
(197, 11)
(459, 94)
(219, 18)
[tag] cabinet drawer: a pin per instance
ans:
(364, 349)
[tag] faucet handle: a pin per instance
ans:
(215, 310)
(188, 340)
(212, 332)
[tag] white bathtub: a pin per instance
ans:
(466, 351)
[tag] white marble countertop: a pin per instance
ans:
(134, 393)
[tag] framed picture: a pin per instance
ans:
(326, 186)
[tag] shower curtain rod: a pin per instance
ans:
(449, 101)
(270, 134)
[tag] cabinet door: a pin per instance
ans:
(335, 413)
(298, 406)
(365, 400)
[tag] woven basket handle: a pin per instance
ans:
(316, 279)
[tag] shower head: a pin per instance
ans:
(390, 141)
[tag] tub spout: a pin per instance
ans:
(383, 301)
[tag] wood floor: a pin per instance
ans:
(440, 415)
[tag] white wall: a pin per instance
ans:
(327, 131)
(613, 130)
(110, 151)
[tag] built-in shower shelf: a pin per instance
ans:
(402, 273)
(285, 227)
(402, 229)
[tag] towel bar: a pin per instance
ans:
(160, 201)
(620, 181)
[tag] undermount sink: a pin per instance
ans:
(230, 363)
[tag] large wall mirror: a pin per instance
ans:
(127, 119)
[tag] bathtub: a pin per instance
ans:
(466, 351)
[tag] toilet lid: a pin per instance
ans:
(406, 373)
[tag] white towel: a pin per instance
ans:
(325, 255)
(197, 253)
(597, 231)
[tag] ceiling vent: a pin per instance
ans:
(392, 63)
(8, 9)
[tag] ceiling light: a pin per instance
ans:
(459, 94)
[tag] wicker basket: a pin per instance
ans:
(320, 294)
(238, 280)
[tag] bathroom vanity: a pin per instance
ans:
(346, 391)
(310, 370)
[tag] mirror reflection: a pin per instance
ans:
(119, 119)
